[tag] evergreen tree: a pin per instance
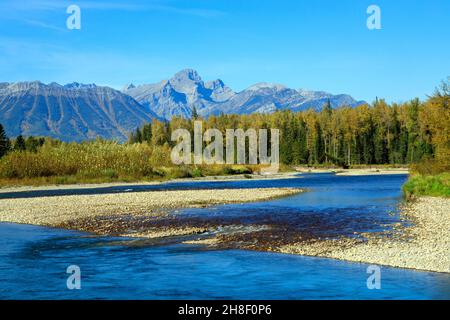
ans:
(194, 113)
(381, 154)
(368, 143)
(147, 133)
(131, 138)
(138, 136)
(20, 145)
(403, 147)
(299, 148)
(341, 154)
(5, 144)
(32, 144)
(319, 154)
(285, 143)
(394, 152)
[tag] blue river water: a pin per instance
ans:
(33, 260)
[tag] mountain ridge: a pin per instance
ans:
(178, 95)
(71, 112)
(76, 111)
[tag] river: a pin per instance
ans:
(33, 260)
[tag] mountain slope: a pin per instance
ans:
(72, 112)
(186, 90)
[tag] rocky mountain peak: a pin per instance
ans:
(128, 87)
(187, 75)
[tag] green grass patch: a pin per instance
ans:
(428, 185)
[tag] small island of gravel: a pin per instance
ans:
(105, 213)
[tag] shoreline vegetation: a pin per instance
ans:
(428, 185)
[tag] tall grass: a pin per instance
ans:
(100, 161)
(89, 160)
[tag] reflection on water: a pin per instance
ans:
(33, 260)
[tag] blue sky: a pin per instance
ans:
(315, 44)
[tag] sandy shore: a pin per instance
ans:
(59, 210)
(354, 172)
(424, 245)
(370, 172)
(237, 177)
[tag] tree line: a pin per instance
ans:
(377, 133)
(19, 143)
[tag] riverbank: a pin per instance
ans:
(354, 171)
(422, 245)
(109, 213)
(237, 177)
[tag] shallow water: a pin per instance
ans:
(335, 205)
(33, 260)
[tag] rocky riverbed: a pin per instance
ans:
(422, 243)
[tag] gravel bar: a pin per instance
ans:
(423, 244)
(57, 210)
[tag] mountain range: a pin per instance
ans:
(185, 90)
(76, 112)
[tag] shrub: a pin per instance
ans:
(431, 166)
(196, 173)
(238, 169)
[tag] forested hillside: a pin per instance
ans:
(369, 134)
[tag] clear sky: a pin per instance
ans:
(315, 44)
